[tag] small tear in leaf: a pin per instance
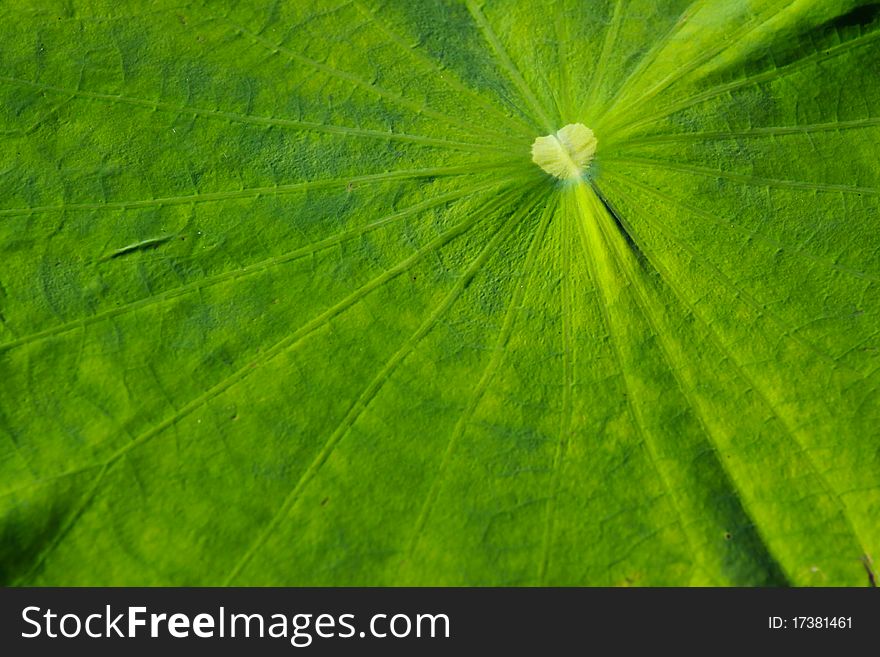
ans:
(150, 243)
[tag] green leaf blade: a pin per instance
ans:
(285, 301)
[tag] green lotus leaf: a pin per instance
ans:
(286, 300)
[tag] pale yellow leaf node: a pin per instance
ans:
(566, 154)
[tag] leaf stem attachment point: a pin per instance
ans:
(566, 154)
